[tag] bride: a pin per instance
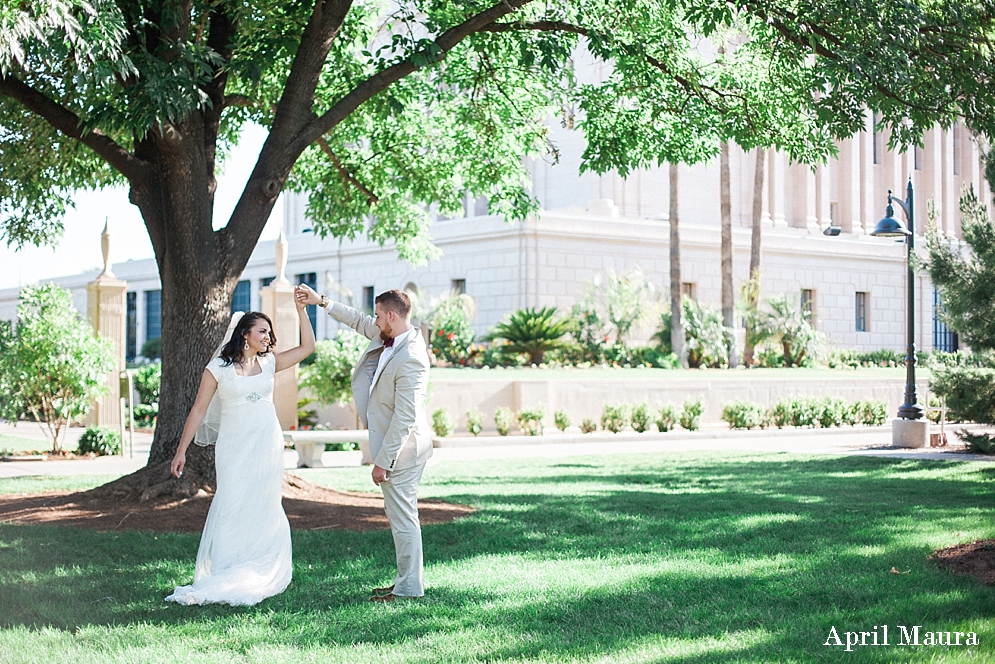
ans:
(244, 554)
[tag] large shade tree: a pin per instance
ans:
(380, 109)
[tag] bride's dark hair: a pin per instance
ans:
(232, 350)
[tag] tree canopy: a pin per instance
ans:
(401, 105)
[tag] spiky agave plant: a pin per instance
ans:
(532, 331)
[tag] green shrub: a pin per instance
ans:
(530, 421)
(147, 380)
(704, 334)
(641, 417)
(873, 413)
(781, 414)
(978, 443)
(442, 424)
(307, 418)
(561, 420)
(533, 332)
(503, 419)
(805, 412)
(691, 412)
(744, 415)
(853, 414)
(152, 349)
(789, 326)
(614, 418)
(969, 391)
(100, 441)
(832, 413)
(587, 425)
(474, 421)
(452, 334)
(328, 379)
(145, 416)
(665, 418)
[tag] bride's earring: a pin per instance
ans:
(246, 344)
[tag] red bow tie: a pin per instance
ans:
(389, 343)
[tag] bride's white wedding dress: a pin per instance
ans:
(245, 553)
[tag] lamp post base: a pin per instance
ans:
(909, 433)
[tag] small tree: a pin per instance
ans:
(51, 365)
(329, 378)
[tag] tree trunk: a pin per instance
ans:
(676, 328)
(198, 270)
(728, 296)
(753, 298)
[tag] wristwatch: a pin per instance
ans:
(324, 301)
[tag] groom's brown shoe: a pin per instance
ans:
(382, 591)
(384, 599)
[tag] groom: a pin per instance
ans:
(389, 385)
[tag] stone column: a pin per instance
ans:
(868, 173)
(823, 195)
(106, 310)
(776, 172)
(849, 184)
(278, 304)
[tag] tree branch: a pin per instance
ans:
(382, 80)
(346, 176)
(69, 123)
(692, 89)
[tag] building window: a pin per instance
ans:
(860, 310)
(153, 315)
(459, 286)
(241, 299)
(689, 291)
(808, 303)
(369, 299)
(944, 338)
(131, 334)
(310, 279)
(917, 157)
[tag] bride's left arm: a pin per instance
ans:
(289, 358)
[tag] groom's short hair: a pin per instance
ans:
(396, 301)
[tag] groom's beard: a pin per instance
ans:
(384, 337)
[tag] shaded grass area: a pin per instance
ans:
(697, 557)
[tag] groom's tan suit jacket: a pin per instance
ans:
(394, 410)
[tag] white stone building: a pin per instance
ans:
(855, 283)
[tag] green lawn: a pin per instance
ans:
(696, 557)
(18, 444)
(670, 375)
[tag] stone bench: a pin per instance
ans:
(310, 445)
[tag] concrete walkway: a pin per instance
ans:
(862, 441)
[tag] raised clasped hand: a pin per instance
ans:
(305, 295)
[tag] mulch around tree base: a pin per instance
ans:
(976, 559)
(308, 507)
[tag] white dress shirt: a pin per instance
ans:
(387, 354)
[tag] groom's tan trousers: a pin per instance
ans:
(400, 499)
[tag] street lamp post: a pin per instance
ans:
(910, 430)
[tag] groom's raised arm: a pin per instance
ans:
(354, 318)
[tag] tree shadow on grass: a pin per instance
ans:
(741, 560)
